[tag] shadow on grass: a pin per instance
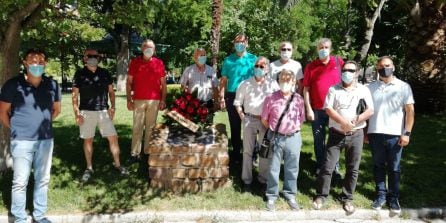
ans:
(108, 191)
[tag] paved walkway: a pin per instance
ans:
(307, 216)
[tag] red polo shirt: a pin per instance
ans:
(146, 78)
(319, 77)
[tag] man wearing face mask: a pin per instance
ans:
(94, 86)
(287, 141)
(28, 105)
(201, 78)
(249, 102)
(237, 67)
(146, 94)
(319, 76)
(345, 132)
(389, 131)
(285, 62)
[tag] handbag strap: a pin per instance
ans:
(283, 114)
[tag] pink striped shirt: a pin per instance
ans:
(273, 107)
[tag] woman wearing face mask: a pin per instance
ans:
(283, 114)
(345, 132)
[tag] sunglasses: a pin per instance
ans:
(92, 56)
(259, 66)
(286, 49)
(349, 70)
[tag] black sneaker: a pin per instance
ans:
(378, 203)
(122, 170)
(43, 220)
(394, 206)
(87, 175)
(133, 159)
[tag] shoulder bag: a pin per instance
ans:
(267, 145)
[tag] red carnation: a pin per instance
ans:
(182, 105)
(190, 110)
(196, 103)
(188, 97)
(205, 111)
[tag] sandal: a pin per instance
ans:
(348, 207)
(318, 202)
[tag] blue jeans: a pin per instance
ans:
(288, 149)
(27, 154)
(386, 154)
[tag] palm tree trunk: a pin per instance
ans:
(425, 64)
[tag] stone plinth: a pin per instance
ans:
(183, 161)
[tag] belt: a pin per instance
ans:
(253, 116)
(287, 135)
(339, 132)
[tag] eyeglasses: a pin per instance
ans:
(286, 49)
(259, 66)
(92, 56)
(349, 70)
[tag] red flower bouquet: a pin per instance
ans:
(188, 106)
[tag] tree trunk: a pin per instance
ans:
(122, 59)
(425, 65)
(9, 64)
(369, 32)
(217, 9)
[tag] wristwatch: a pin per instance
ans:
(407, 133)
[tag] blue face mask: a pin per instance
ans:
(202, 60)
(36, 69)
(259, 72)
(239, 47)
(347, 77)
(323, 53)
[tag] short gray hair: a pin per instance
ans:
(322, 41)
(263, 58)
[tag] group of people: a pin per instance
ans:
(268, 99)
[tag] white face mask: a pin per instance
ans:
(148, 52)
(286, 55)
(286, 87)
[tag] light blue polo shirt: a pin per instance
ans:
(237, 69)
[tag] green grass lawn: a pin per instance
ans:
(423, 169)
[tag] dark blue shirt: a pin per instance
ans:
(31, 107)
(93, 88)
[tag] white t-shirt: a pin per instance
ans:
(203, 82)
(251, 94)
(344, 101)
(277, 66)
(389, 101)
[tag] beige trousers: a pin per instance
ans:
(144, 118)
